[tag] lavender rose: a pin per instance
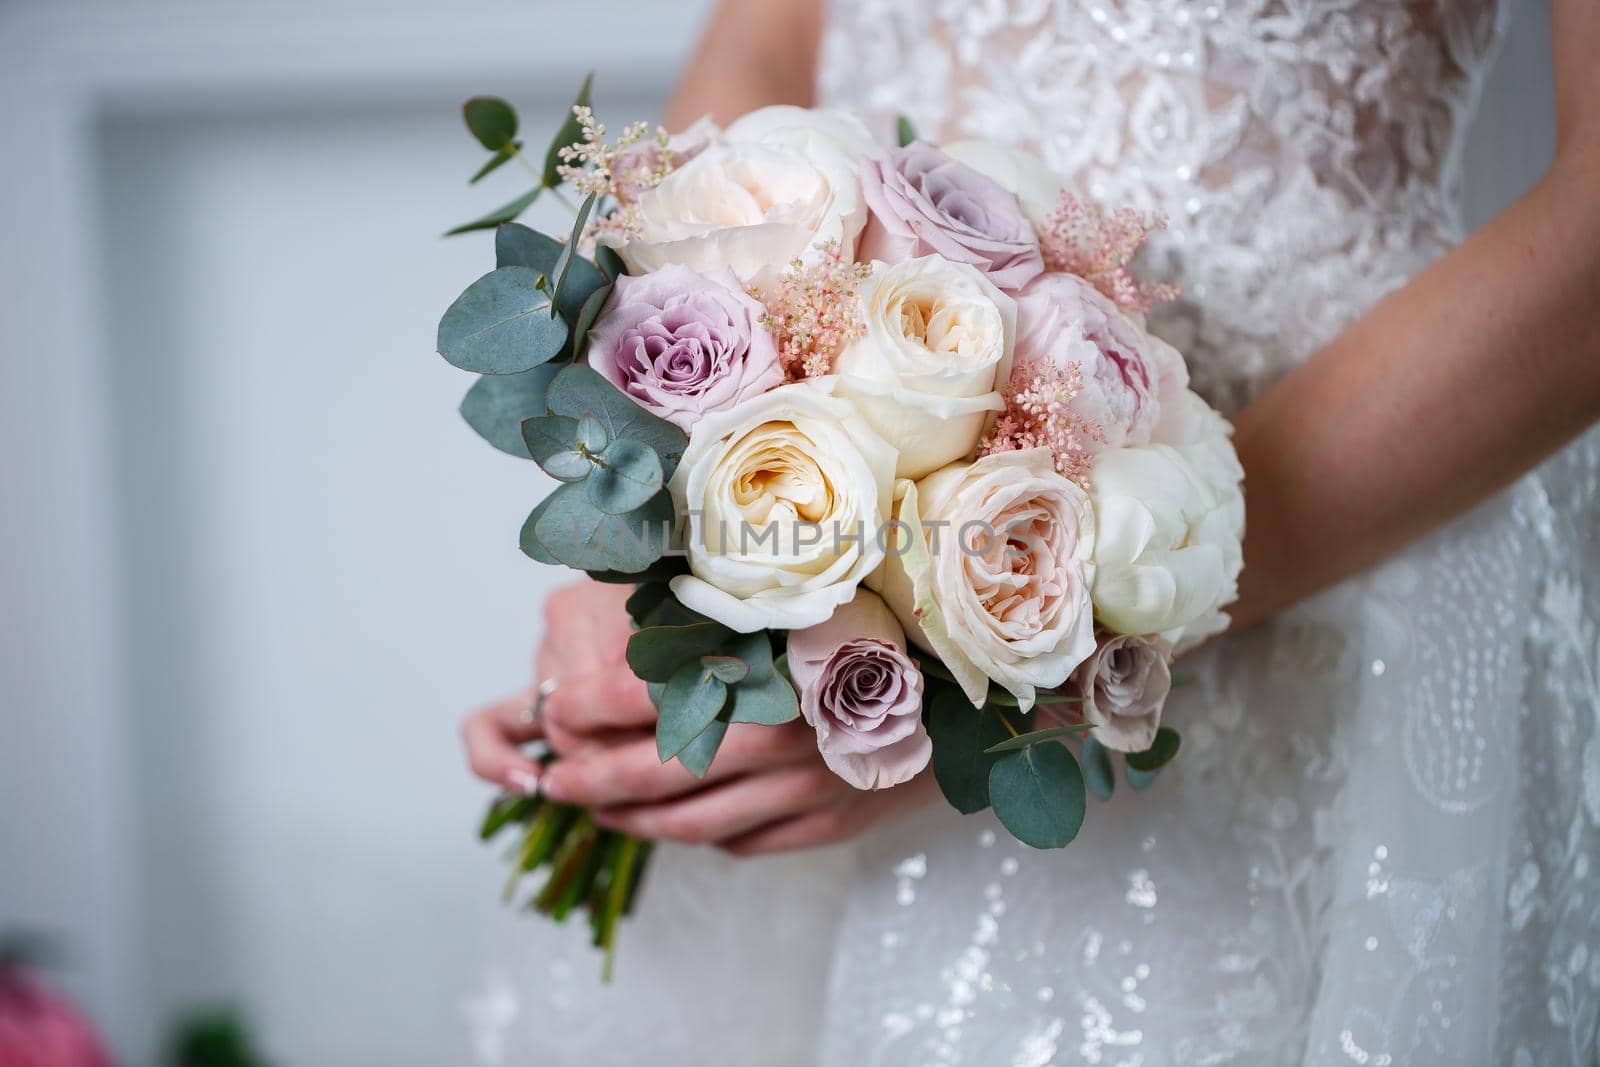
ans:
(922, 203)
(682, 344)
(862, 694)
(1062, 319)
(1124, 685)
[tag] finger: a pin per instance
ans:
(812, 829)
(829, 826)
(569, 745)
(492, 737)
(612, 699)
(633, 773)
(731, 808)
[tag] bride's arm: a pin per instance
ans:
(1452, 387)
(753, 53)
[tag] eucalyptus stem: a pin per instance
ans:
(1012, 730)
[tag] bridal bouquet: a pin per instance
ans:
(879, 437)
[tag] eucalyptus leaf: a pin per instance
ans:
(1159, 754)
(656, 652)
(904, 132)
(1138, 779)
(500, 215)
(660, 571)
(771, 701)
(496, 161)
(592, 434)
(609, 262)
(528, 542)
(516, 245)
(585, 321)
(502, 324)
(1021, 741)
(627, 474)
(591, 278)
(688, 705)
(1098, 772)
(545, 435)
(729, 669)
(960, 735)
(580, 390)
(696, 756)
(568, 466)
(569, 132)
(1038, 795)
(645, 599)
(580, 535)
(491, 120)
(497, 403)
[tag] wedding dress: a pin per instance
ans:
(1376, 845)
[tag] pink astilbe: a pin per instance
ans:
(1038, 414)
(637, 162)
(813, 311)
(1080, 238)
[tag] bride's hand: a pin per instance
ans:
(583, 651)
(767, 791)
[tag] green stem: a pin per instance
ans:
(568, 859)
(622, 870)
(568, 204)
(1012, 730)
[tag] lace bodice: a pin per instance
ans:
(1305, 152)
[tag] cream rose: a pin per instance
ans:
(776, 184)
(938, 338)
(1168, 550)
(786, 496)
(991, 569)
(1022, 174)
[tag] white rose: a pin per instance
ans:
(991, 570)
(1170, 529)
(938, 338)
(786, 495)
(1022, 174)
(776, 184)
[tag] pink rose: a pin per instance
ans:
(682, 344)
(39, 1028)
(923, 203)
(990, 570)
(1062, 319)
(1124, 686)
(862, 693)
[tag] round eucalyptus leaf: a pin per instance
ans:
(545, 435)
(497, 404)
(1160, 752)
(502, 324)
(491, 120)
(1098, 773)
(568, 466)
(626, 476)
(961, 735)
(688, 705)
(730, 669)
(592, 433)
(1038, 794)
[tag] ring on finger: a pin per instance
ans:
(534, 712)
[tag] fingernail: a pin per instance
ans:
(523, 781)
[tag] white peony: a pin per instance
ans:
(991, 571)
(772, 187)
(1170, 536)
(938, 339)
(1022, 174)
(785, 496)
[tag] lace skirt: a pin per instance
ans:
(1374, 848)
